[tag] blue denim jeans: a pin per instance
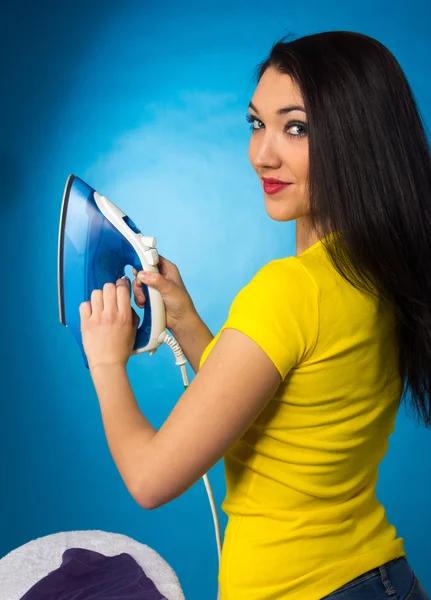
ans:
(393, 581)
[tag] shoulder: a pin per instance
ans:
(284, 276)
(279, 309)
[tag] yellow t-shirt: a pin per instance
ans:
(301, 482)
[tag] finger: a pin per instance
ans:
(123, 296)
(96, 302)
(85, 310)
(109, 298)
(138, 292)
(158, 281)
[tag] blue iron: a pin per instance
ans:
(96, 242)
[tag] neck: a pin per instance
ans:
(305, 235)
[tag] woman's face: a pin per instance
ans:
(279, 144)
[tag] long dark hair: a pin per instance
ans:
(369, 182)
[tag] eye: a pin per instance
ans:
(300, 127)
(253, 120)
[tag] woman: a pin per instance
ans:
(300, 389)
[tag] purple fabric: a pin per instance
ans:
(85, 575)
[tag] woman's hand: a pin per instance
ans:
(178, 303)
(108, 325)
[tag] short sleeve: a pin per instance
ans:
(279, 310)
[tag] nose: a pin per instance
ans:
(263, 152)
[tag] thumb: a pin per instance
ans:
(157, 281)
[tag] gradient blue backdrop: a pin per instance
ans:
(147, 104)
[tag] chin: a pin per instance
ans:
(284, 210)
(281, 213)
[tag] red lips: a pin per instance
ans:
(272, 186)
(272, 180)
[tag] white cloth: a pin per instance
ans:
(28, 564)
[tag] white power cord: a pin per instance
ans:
(181, 361)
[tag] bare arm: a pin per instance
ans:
(193, 336)
(224, 398)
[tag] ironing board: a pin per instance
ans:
(28, 564)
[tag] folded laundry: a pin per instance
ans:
(86, 574)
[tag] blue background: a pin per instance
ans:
(147, 104)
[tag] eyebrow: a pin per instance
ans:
(280, 111)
